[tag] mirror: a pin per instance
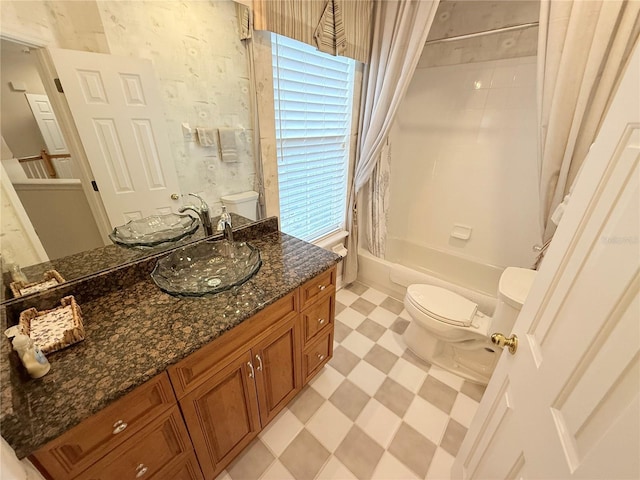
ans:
(201, 68)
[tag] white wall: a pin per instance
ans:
(464, 152)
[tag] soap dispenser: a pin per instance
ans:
(32, 357)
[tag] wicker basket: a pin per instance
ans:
(54, 329)
(47, 277)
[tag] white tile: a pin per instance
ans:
(329, 425)
(392, 342)
(479, 78)
(350, 317)
(497, 99)
(383, 316)
(404, 314)
(277, 471)
(358, 343)
(525, 74)
(427, 419)
(390, 468)
(346, 297)
(464, 409)
(281, 432)
(503, 76)
(440, 468)
(474, 100)
(367, 377)
(335, 470)
(408, 375)
(224, 475)
(378, 422)
(327, 381)
(454, 381)
(374, 296)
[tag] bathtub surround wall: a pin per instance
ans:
(200, 65)
(464, 153)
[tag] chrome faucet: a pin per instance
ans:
(224, 224)
(202, 211)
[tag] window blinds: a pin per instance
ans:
(313, 100)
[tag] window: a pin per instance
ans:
(313, 100)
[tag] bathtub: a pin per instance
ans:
(407, 263)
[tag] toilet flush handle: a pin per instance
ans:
(511, 343)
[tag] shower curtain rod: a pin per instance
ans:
(482, 34)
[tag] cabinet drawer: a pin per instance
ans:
(317, 317)
(316, 355)
(83, 445)
(154, 450)
(319, 286)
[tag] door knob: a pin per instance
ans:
(175, 196)
(511, 343)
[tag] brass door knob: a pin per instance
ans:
(511, 343)
(175, 196)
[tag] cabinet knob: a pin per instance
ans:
(252, 373)
(320, 356)
(259, 363)
(119, 427)
(322, 287)
(141, 470)
(321, 321)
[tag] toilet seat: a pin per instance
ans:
(442, 305)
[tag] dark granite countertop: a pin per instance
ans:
(134, 332)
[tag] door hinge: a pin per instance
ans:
(58, 85)
(94, 185)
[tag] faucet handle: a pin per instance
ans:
(203, 205)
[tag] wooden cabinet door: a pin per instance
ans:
(277, 362)
(222, 415)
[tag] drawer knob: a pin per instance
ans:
(119, 427)
(141, 470)
(252, 373)
(259, 363)
(321, 321)
(320, 356)
(322, 287)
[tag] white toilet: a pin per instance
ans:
(244, 203)
(449, 331)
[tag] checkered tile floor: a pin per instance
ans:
(375, 411)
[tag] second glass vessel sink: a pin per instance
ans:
(154, 230)
(206, 267)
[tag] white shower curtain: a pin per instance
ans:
(583, 47)
(400, 30)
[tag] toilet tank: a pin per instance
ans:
(245, 204)
(513, 290)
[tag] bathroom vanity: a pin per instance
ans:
(171, 387)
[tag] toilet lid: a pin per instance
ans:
(442, 304)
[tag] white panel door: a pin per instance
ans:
(117, 110)
(566, 405)
(51, 133)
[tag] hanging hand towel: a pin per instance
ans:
(228, 145)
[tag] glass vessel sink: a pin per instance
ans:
(154, 230)
(206, 267)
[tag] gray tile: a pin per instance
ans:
(359, 453)
(473, 390)
(381, 358)
(340, 331)
(371, 329)
(453, 437)
(349, 399)
(357, 288)
(439, 394)
(412, 449)
(252, 462)
(412, 358)
(365, 307)
(339, 307)
(392, 305)
(343, 360)
(394, 396)
(399, 326)
(305, 456)
(306, 404)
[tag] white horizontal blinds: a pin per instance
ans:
(313, 99)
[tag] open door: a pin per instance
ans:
(118, 114)
(566, 404)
